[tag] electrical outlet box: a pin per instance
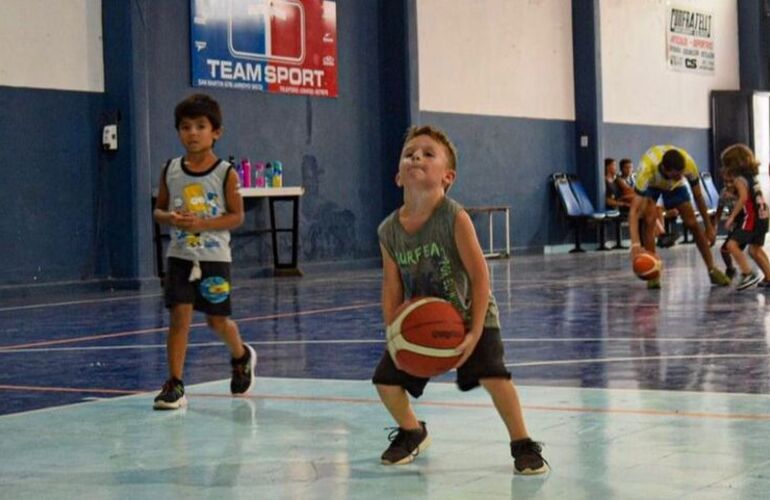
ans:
(110, 138)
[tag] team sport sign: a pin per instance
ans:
(690, 40)
(279, 46)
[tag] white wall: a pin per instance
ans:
(496, 57)
(638, 86)
(51, 44)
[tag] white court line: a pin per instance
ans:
(77, 302)
(635, 358)
(376, 341)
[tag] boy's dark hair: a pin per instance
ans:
(625, 161)
(673, 160)
(198, 105)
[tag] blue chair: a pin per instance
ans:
(710, 192)
(599, 218)
(579, 209)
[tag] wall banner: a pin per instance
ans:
(690, 41)
(277, 46)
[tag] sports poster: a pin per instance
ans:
(277, 46)
(690, 41)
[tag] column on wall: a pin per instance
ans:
(127, 211)
(586, 55)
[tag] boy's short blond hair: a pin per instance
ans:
(437, 135)
(739, 159)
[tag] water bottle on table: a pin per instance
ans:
(269, 174)
(246, 168)
(277, 174)
(259, 174)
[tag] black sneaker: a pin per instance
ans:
(405, 445)
(667, 240)
(730, 273)
(171, 396)
(763, 284)
(243, 371)
(527, 459)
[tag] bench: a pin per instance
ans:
(491, 210)
(580, 211)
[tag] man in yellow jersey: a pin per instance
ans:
(663, 171)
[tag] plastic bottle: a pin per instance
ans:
(277, 174)
(237, 167)
(269, 175)
(259, 174)
(246, 167)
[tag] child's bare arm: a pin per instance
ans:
(476, 266)
(742, 190)
(161, 212)
(392, 288)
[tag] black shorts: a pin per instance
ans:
(729, 237)
(486, 361)
(754, 237)
(210, 294)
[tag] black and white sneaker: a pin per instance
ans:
(243, 371)
(748, 280)
(405, 445)
(171, 396)
(527, 458)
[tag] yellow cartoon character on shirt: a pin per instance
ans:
(195, 203)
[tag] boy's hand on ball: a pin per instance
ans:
(467, 346)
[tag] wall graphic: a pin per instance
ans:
(690, 41)
(278, 46)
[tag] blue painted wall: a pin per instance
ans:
(507, 161)
(49, 157)
(631, 141)
(333, 147)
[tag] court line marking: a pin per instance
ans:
(634, 358)
(439, 404)
(144, 331)
(369, 341)
(76, 302)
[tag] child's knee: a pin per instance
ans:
(218, 323)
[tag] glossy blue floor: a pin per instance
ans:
(636, 393)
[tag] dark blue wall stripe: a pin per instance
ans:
(631, 141)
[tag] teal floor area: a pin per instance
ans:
(308, 439)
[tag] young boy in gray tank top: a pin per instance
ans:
(429, 248)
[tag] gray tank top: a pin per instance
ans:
(203, 194)
(429, 262)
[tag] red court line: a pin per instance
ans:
(101, 336)
(440, 404)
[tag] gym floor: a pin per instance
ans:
(635, 393)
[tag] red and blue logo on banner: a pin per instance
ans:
(287, 46)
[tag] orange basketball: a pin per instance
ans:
(423, 336)
(647, 266)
